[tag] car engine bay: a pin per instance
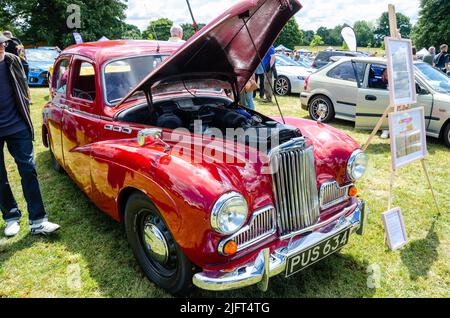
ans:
(205, 114)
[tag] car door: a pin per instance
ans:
(80, 122)
(58, 103)
(373, 98)
(342, 85)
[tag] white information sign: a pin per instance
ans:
(402, 85)
(408, 136)
(395, 228)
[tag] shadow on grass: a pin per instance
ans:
(420, 255)
(103, 246)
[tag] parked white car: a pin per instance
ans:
(354, 89)
(291, 75)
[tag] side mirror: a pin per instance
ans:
(420, 90)
(155, 134)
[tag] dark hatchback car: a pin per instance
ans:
(324, 57)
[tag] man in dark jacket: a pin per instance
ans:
(16, 131)
(16, 47)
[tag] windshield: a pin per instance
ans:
(121, 76)
(436, 79)
(41, 55)
(286, 61)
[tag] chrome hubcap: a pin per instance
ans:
(282, 86)
(320, 109)
(155, 243)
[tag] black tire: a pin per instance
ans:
(282, 86)
(176, 272)
(446, 135)
(55, 164)
(324, 103)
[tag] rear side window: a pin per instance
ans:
(343, 72)
(83, 84)
(60, 76)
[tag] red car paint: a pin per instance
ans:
(107, 165)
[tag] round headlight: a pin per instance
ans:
(357, 165)
(229, 213)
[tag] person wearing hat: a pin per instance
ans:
(16, 131)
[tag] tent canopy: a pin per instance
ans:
(281, 47)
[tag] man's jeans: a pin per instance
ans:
(260, 80)
(20, 147)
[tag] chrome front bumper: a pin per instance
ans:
(269, 264)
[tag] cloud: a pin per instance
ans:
(313, 15)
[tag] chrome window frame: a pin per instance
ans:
(105, 98)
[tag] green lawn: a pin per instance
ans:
(94, 246)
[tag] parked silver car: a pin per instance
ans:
(355, 89)
(291, 75)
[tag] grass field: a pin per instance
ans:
(90, 257)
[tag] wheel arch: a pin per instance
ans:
(45, 136)
(441, 133)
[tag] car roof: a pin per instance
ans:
(101, 52)
(363, 59)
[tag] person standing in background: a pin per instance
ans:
(442, 60)
(269, 67)
(249, 88)
(176, 34)
(16, 131)
(260, 79)
(429, 58)
(15, 46)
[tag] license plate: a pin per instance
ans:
(317, 252)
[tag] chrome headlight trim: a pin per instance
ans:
(219, 208)
(357, 154)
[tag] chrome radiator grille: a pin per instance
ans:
(331, 194)
(262, 225)
(295, 188)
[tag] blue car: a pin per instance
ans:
(40, 61)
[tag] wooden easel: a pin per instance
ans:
(396, 34)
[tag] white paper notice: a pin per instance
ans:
(395, 228)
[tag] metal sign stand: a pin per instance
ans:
(396, 34)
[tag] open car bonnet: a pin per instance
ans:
(225, 53)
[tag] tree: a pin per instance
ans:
(45, 21)
(189, 31)
(433, 27)
(158, 30)
(291, 35)
(131, 32)
(308, 36)
(324, 34)
(317, 41)
(403, 24)
(364, 34)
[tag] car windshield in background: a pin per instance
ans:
(285, 61)
(41, 55)
(121, 76)
(436, 79)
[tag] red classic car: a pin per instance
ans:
(135, 124)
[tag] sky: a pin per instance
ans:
(313, 15)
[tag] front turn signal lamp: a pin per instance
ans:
(353, 191)
(230, 248)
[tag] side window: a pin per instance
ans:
(343, 71)
(378, 77)
(83, 83)
(360, 71)
(61, 76)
